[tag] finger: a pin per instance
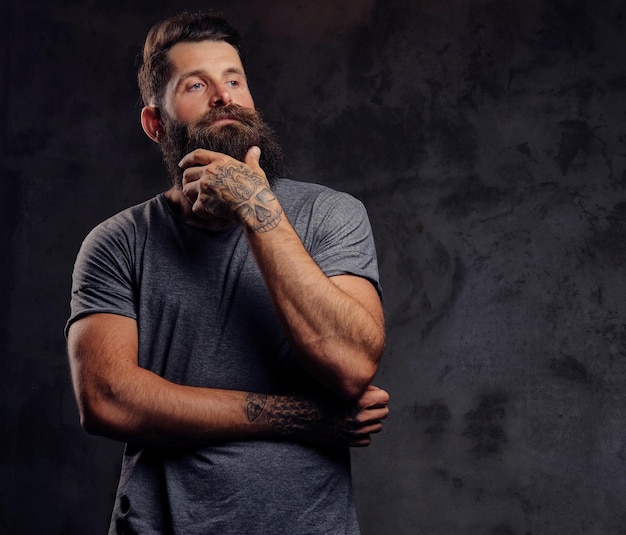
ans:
(199, 157)
(370, 429)
(376, 405)
(190, 190)
(192, 174)
(252, 157)
(374, 388)
(375, 397)
(361, 441)
(371, 415)
(365, 426)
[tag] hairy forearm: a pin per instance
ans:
(135, 405)
(337, 338)
(145, 409)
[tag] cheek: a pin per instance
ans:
(245, 100)
(188, 110)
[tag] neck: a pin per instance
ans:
(182, 208)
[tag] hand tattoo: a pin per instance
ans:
(238, 188)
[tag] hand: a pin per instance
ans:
(220, 186)
(371, 408)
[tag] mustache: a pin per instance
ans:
(246, 116)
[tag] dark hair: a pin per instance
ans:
(191, 27)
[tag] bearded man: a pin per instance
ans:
(227, 330)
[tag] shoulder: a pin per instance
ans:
(296, 196)
(120, 235)
(324, 217)
(131, 220)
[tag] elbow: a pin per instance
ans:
(91, 424)
(91, 419)
(351, 390)
(352, 384)
(96, 416)
(351, 387)
(347, 370)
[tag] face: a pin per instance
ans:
(204, 75)
(208, 105)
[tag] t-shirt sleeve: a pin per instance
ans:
(344, 243)
(102, 280)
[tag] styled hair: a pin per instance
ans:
(154, 70)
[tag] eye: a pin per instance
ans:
(232, 83)
(195, 86)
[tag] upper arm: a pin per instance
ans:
(101, 348)
(344, 249)
(102, 338)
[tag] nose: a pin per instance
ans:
(221, 97)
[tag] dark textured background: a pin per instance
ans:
(485, 137)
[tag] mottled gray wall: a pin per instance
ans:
(486, 138)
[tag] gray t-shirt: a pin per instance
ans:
(205, 319)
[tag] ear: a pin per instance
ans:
(151, 122)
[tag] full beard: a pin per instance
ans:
(233, 139)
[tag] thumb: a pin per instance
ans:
(252, 157)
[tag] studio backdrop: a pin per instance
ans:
(487, 141)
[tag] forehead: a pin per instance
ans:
(210, 56)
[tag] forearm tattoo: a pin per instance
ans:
(247, 193)
(255, 403)
(296, 417)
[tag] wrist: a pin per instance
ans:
(260, 217)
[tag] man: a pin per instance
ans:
(226, 330)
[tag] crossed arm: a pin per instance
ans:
(123, 401)
(334, 325)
